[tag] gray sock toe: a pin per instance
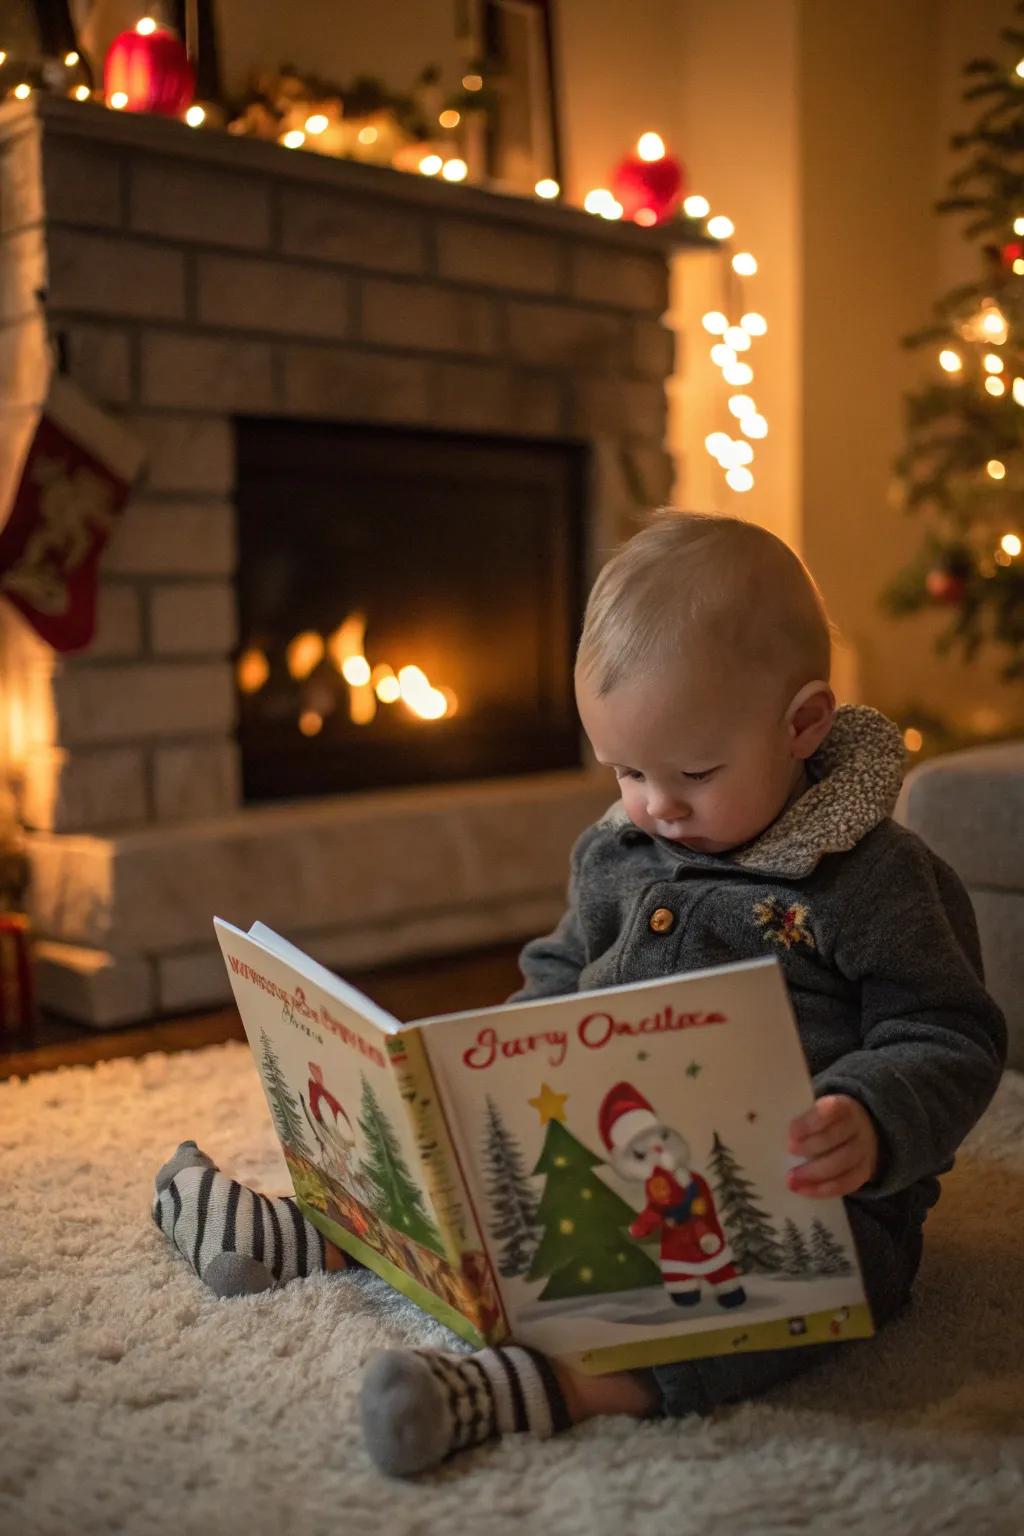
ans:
(236, 1274)
(188, 1155)
(406, 1423)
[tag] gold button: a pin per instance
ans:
(662, 920)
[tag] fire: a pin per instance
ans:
(367, 684)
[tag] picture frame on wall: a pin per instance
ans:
(516, 46)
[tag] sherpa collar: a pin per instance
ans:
(856, 776)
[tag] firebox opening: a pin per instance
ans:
(408, 603)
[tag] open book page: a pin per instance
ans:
(339, 1105)
(626, 1154)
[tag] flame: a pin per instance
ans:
(252, 670)
(419, 695)
(304, 653)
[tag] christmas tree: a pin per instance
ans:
(398, 1199)
(963, 466)
(513, 1201)
(795, 1258)
(286, 1113)
(827, 1254)
(754, 1240)
(585, 1249)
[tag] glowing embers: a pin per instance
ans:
(334, 669)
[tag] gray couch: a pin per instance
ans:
(969, 807)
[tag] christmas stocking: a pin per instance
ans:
(72, 485)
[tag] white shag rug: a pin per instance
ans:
(133, 1401)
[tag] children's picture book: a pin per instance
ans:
(601, 1176)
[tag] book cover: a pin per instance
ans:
(626, 1153)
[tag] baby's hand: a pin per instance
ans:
(839, 1141)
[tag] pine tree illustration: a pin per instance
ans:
(827, 1253)
(513, 1202)
(286, 1113)
(585, 1249)
(755, 1242)
(796, 1260)
(398, 1198)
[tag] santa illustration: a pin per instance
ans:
(680, 1207)
(332, 1128)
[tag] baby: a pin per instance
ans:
(758, 816)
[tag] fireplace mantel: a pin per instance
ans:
(186, 278)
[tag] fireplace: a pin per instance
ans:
(408, 606)
(240, 307)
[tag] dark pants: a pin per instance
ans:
(889, 1256)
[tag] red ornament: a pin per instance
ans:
(945, 586)
(148, 72)
(650, 190)
(1012, 252)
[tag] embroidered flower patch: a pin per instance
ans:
(784, 925)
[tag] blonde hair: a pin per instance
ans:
(698, 584)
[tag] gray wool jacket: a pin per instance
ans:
(875, 934)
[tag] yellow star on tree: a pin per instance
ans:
(549, 1104)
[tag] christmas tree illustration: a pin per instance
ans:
(795, 1258)
(513, 1203)
(584, 1250)
(827, 1253)
(287, 1116)
(755, 1242)
(398, 1198)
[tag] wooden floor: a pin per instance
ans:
(414, 989)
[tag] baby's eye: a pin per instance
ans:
(628, 773)
(640, 1156)
(698, 778)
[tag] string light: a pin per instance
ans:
(597, 199)
(950, 360)
(472, 83)
(293, 139)
(195, 116)
(82, 93)
(722, 355)
(696, 207)
(992, 363)
(71, 59)
(717, 443)
(1018, 391)
(739, 479)
(645, 217)
(650, 146)
(1011, 545)
(3, 56)
(754, 324)
(547, 187)
(715, 322)
(1018, 266)
(310, 723)
(1020, 69)
(996, 468)
(754, 425)
(146, 26)
(455, 170)
(119, 100)
(995, 385)
(912, 739)
(450, 118)
(430, 165)
(738, 373)
(24, 91)
(1018, 224)
(744, 264)
(720, 228)
(737, 338)
(612, 209)
(741, 405)
(317, 123)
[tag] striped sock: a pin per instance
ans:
(238, 1242)
(420, 1405)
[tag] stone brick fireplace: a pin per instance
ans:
(189, 281)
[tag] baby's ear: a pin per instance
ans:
(809, 718)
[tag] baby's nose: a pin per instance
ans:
(665, 807)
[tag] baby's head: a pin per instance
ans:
(702, 677)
